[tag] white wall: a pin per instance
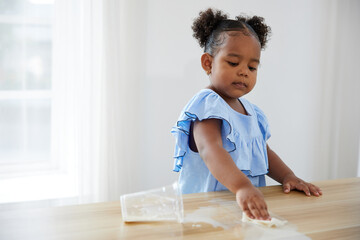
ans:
(292, 89)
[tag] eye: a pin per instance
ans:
(232, 64)
(252, 69)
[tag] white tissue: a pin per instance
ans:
(273, 223)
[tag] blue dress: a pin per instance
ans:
(243, 136)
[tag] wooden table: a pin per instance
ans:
(215, 215)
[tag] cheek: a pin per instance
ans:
(254, 76)
(253, 79)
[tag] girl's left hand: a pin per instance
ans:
(292, 182)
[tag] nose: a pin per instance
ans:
(243, 70)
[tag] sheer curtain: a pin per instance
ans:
(94, 107)
(340, 107)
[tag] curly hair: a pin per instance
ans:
(211, 24)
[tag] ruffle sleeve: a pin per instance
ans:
(204, 105)
(263, 123)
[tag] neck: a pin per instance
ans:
(227, 99)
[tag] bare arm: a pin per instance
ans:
(283, 174)
(277, 168)
(207, 136)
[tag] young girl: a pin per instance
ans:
(220, 136)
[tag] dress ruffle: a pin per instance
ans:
(201, 107)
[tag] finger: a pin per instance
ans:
(248, 213)
(303, 187)
(262, 208)
(264, 214)
(314, 190)
(255, 211)
(286, 187)
(318, 189)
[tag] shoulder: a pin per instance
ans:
(206, 95)
(259, 112)
(204, 105)
(256, 110)
(206, 100)
(261, 119)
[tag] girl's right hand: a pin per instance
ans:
(252, 202)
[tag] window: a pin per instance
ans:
(25, 86)
(27, 171)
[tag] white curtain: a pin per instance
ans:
(94, 105)
(340, 129)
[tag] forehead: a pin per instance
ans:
(238, 42)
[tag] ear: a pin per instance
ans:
(206, 62)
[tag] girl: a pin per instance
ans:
(220, 136)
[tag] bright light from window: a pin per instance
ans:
(35, 66)
(41, 1)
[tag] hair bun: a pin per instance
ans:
(261, 29)
(206, 23)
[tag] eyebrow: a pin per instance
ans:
(239, 56)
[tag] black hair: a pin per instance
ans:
(211, 24)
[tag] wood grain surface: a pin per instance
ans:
(214, 215)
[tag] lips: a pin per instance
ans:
(239, 85)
